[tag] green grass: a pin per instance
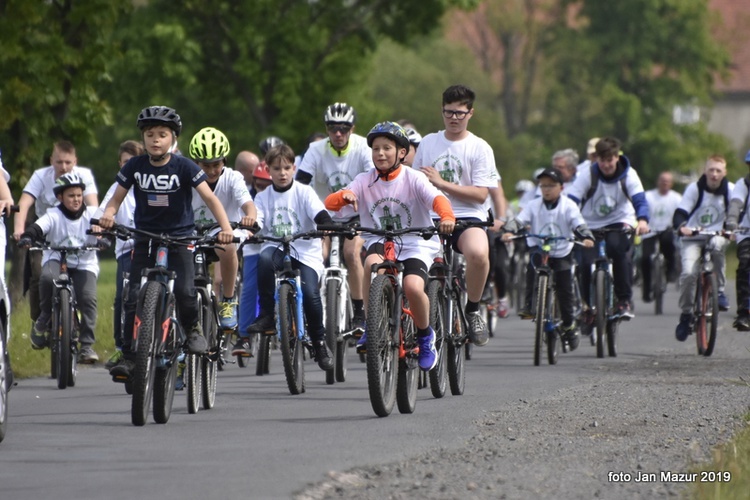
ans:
(27, 362)
(732, 459)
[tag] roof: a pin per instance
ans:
(734, 17)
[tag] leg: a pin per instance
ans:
(415, 279)
(474, 246)
(619, 249)
(85, 289)
(36, 272)
(742, 322)
(691, 251)
(181, 262)
(353, 260)
(249, 297)
(268, 262)
(647, 248)
(313, 306)
(228, 269)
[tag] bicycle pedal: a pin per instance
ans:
(120, 379)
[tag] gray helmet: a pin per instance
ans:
(69, 180)
(269, 142)
(391, 130)
(160, 115)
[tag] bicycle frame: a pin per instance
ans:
(337, 273)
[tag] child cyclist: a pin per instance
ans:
(66, 225)
(393, 191)
(557, 215)
(209, 148)
(287, 208)
(739, 216)
(162, 183)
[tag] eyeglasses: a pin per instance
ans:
(342, 129)
(450, 113)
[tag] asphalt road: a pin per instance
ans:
(261, 442)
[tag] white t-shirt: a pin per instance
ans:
(332, 171)
(231, 191)
(292, 212)
(467, 162)
(558, 221)
(661, 210)
(709, 215)
(740, 192)
(43, 181)
(124, 217)
(61, 231)
(608, 204)
(405, 201)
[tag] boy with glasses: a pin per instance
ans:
(461, 165)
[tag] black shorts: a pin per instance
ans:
(411, 266)
(458, 232)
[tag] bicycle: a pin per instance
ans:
(290, 318)
(6, 373)
(519, 262)
(658, 266)
(63, 341)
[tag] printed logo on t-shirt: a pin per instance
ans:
(338, 181)
(552, 229)
(152, 182)
(283, 222)
(604, 205)
(391, 213)
(708, 216)
(450, 167)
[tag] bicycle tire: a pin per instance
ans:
(456, 348)
(332, 327)
(164, 387)
(658, 280)
(612, 326)
(144, 371)
(540, 301)
(342, 344)
(408, 370)
(291, 347)
(710, 314)
(4, 382)
(192, 379)
(552, 333)
(210, 363)
(601, 311)
(64, 336)
(382, 352)
(439, 375)
(264, 355)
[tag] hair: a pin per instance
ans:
(717, 159)
(460, 94)
(282, 151)
(64, 147)
(608, 146)
(569, 155)
(133, 148)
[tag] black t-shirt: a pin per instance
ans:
(163, 195)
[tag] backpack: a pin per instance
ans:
(726, 200)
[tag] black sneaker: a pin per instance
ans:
(525, 314)
(263, 324)
(38, 339)
(742, 323)
(196, 342)
(478, 333)
(358, 321)
(123, 370)
(243, 347)
(322, 357)
(570, 335)
(624, 311)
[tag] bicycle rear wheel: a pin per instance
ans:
(291, 347)
(658, 283)
(600, 292)
(264, 354)
(332, 327)
(149, 309)
(456, 349)
(438, 375)
(540, 317)
(211, 362)
(4, 382)
(408, 370)
(164, 387)
(612, 326)
(382, 352)
(193, 381)
(706, 331)
(63, 334)
(552, 333)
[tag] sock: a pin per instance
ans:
(228, 299)
(358, 305)
(471, 307)
(423, 332)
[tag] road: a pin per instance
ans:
(261, 442)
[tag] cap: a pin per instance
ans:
(591, 146)
(552, 174)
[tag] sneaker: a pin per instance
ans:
(624, 310)
(243, 347)
(87, 356)
(264, 324)
(525, 314)
(179, 383)
(196, 342)
(682, 332)
(358, 321)
(123, 369)
(723, 302)
(113, 360)
(587, 322)
(503, 307)
(228, 314)
(478, 333)
(362, 344)
(648, 298)
(322, 357)
(428, 356)
(742, 322)
(38, 339)
(570, 335)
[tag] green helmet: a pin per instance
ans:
(209, 145)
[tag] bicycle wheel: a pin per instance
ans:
(63, 337)
(709, 315)
(600, 299)
(540, 316)
(164, 387)
(149, 309)
(332, 327)
(552, 333)
(291, 347)
(382, 351)
(4, 383)
(408, 369)
(456, 349)
(439, 374)
(193, 381)
(264, 354)
(658, 283)
(612, 326)
(211, 362)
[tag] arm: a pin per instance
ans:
(338, 200)
(107, 219)
(217, 209)
(443, 208)
(6, 198)
(91, 200)
(19, 220)
(251, 214)
(471, 194)
(500, 204)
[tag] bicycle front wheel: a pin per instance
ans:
(658, 283)
(4, 382)
(193, 381)
(264, 354)
(211, 362)
(439, 374)
(382, 352)
(66, 361)
(540, 316)
(706, 330)
(600, 297)
(332, 327)
(149, 309)
(408, 370)
(457, 350)
(291, 347)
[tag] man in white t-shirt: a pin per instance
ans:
(461, 165)
(330, 166)
(39, 193)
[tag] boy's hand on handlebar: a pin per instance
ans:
(247, 220)
(106, 221)
(642, 227)
(587, 243)
(25, 242)
(225, 237)
(447, 226)
(686, 231)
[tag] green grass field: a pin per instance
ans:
(731, 462)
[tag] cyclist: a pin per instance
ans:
(289, 208)
(565, 162)
(662, 203)
(123, 249)
(401, 197)
(461, 165)
(498, 251)
(329, 166)
(590, 155)
(246, 163)
(611, 196)
(704, 204)
(414, 139)
(739, 216)
(6, 201)
(162, 183)
(66, 225)
(560, 216)
(209, 148)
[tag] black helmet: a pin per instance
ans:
(269, 142)
(160, 115)
(391, 130)
(69, 180)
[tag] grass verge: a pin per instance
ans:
(728, 476)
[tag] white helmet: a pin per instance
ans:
(524, 186)
(340, 112)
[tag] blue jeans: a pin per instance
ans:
(249, 295)
(123, 266)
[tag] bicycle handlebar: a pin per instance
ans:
(125, 233)
(288, 238)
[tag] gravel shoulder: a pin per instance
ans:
(664, 412)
